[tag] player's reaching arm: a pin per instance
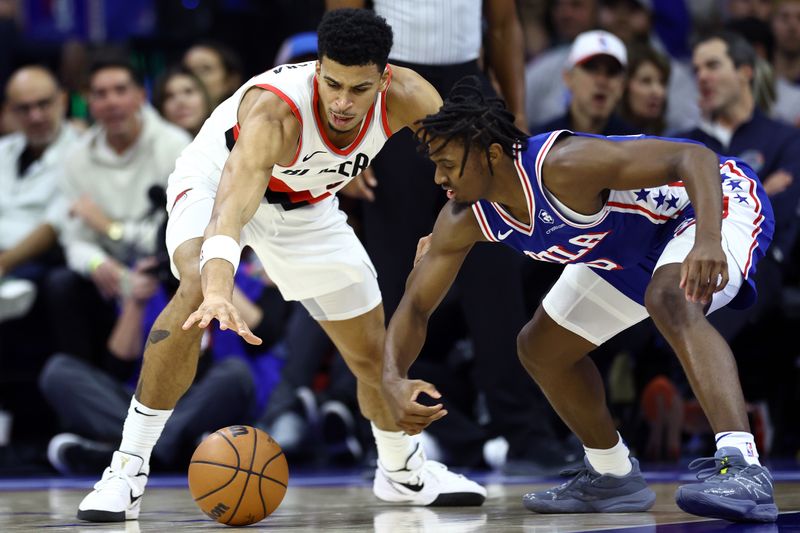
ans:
(268, 135)
(455, 232)
(410, 98)
(579, 165)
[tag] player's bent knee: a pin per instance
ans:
(667, 305)
(529, 354)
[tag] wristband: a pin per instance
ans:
(220, 247)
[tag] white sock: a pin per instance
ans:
(394, 448)
(742, 440)
(611, 461)
(142, 428)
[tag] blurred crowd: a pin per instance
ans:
(96, 107)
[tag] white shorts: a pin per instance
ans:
(589, 306)
(309, 252)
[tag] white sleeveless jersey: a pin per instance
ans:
(318, 169)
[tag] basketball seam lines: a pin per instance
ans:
(238, 462)
(237, 469)
(272, 459)
(262, 476)
(261, 493)
(247, 479)
(235, 450)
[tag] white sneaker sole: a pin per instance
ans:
(96, 515)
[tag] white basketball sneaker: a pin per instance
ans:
(424, 482)
(118, 495)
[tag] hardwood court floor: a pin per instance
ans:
(351, 508)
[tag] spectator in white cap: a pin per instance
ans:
(595, 77)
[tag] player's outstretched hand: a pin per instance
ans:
(402, 395)
(225, 313)
(704, 271)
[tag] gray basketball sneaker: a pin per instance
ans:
(731, 489)
(591, 492)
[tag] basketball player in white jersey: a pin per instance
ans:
(263, 172)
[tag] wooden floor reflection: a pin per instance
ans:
(350, 509)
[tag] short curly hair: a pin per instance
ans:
(355, 37)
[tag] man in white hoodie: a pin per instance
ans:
(113, 222)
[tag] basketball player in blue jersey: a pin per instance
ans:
(646, 227)
(263, 172)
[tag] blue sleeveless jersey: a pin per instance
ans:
(623, 242)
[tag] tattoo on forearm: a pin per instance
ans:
(158, 335)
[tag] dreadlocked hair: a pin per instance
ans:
(474, 119)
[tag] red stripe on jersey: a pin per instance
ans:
(730, 165)
(753, 245)
(543, 150)
(687, 226)
(526, 188)
(482, 222)
(295, 112)
(642, 209)
(384, 115)
(294, 196)
(352, 146)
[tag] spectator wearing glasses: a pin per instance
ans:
(30, 164)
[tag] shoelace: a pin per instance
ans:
(721, 468)
(110, 476)
(579, 474)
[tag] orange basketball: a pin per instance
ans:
(238, 475)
